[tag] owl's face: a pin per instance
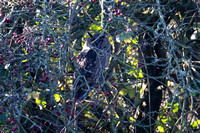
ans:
(96, 40)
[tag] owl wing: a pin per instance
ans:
(86, 63)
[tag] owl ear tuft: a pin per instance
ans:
(90, 34)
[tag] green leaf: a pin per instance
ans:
(131, 93)
(126, 37)
(3, 117)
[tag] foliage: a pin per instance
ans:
(150, 85)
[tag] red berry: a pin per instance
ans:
(15, 120)
(72, 58)
(157, 68)
(97, 86)
(119, 1)
(99, 92)
(28, 70)
(110, 19)
(1, 15)
(105, 94)
(40, 43)
(114, 85)
(121, 14)
(1, 111)
(62, 46)
(15, 72)
(46, 43)
(50, 40)
(52, 79)
(108, 93)
(55, 53)
(67, 110)
(139, 65)
(0, 58)
(78, 56)
(13, 129)
(58, 113)
(30, 5)
(76, 25)
(75, 99)
(16, 128)
(72, 115)
(92, 104)
(115, 13)
(42, 80)
(188, 82)
(47, 76)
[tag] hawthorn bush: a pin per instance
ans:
(150, 85)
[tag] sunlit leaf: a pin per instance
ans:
(36, 22)
(196, 124)
(179, 14)
(95, 27)
(161, 129)
(140, 74)
(38, 101)
(64, 17)
(26, 73)
(25, 60)
(123, 92)
(135, 40)
(44, 104)
(57, 97)
(176, 107)
(131, 119)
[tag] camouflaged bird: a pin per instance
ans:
(91, 62)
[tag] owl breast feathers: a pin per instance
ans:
(91, 62)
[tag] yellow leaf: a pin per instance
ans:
(123, 92)
(37, 101)
(26, 73)
(44, 104)
(25, 60)
(179, 14)
(140, 74)
(57, 97)
(161, 129)
(131, 119)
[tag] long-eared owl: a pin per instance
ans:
(91, 62)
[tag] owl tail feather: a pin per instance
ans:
(81, 90)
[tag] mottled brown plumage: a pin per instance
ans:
(91, 63)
